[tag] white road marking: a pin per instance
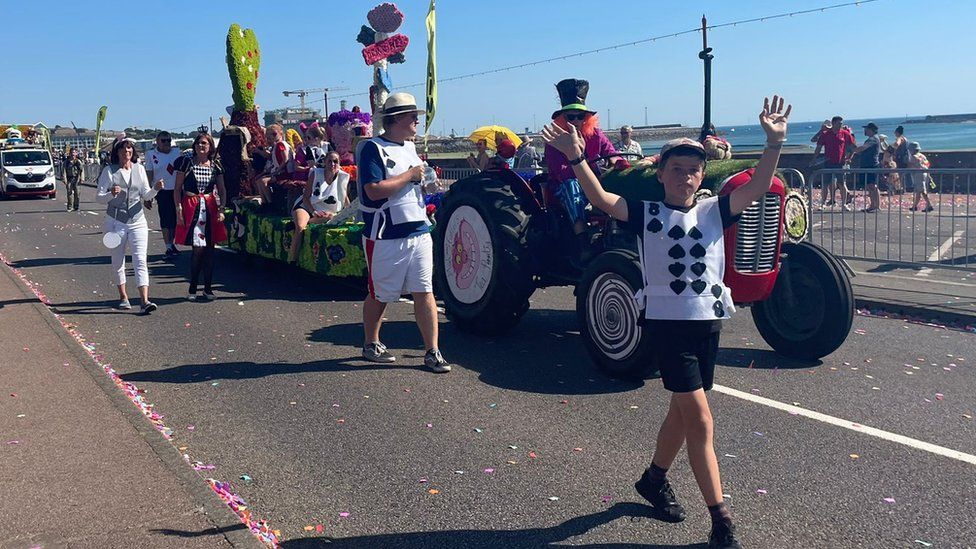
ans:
(937, 254)
(853, 426)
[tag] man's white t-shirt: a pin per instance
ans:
(161, 165)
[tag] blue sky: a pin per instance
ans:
(162, 64)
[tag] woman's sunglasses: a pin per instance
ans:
(576, 117)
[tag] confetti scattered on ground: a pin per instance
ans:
(258, 528)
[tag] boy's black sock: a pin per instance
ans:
(720, 513)
(656, 474)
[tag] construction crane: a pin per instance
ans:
(302, 93)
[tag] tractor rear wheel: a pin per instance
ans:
(611, 320)
(810, 312)
(480, 256)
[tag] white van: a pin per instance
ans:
(26, 170)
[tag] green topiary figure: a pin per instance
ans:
(244, 64)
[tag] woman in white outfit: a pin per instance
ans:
(123, 185)
(324, 196)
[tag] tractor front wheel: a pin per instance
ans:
(809, 314)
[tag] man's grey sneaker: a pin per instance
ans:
(723, 536)
(435, 361)
(661, 498)
(148, 307)
(124, 305)
(376, 352)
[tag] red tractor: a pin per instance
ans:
(499, 237)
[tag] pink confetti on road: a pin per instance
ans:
(761, 491)
(889, 500)
(343, 514)
(489, 470)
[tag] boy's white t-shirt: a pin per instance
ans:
(161, 165)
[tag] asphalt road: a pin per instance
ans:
(265, 382)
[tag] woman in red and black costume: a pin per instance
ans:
(199, 221)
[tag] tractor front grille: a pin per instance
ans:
(757, 235)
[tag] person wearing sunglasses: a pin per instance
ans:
(562, 181)
(324, 196)
(481, 161)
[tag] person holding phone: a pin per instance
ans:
(123, 186)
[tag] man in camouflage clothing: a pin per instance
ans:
(73, 172)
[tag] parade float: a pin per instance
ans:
(334, 248)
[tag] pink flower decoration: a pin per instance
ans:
(385, 17)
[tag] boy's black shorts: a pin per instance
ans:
(686, 353)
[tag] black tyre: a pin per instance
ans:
(809, 314)
(611, 320)
(480, 256)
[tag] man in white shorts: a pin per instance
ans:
(396, 238)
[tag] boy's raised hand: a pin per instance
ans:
(773, 120)
(566, 142)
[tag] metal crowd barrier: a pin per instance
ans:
(897, 226)
(91, 173)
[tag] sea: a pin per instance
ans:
(939, 136)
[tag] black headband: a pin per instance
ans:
(401, 109)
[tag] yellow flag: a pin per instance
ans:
(99, 118)
(431, 70)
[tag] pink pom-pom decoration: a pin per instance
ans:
(385, 48)
(385, 17)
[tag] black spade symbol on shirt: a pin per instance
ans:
(676, 269)
(699, 286)
(653, 208)
(676, 232)
(676, 252)
(655, 225)
(390, 163)
(695, 233)
(698, 268)
(719, 309)
(697, 251)
(330, 200)
(678, 286)
(716, 290)
(316, 193)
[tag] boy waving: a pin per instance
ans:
(684, 298)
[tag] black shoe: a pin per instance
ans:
(661, 498)
(723, 536)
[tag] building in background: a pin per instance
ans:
(291, 117)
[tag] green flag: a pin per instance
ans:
(99, 118)
(431, 71)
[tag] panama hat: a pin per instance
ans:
(399, 103)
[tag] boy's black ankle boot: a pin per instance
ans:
(723, 536)
(661, 497)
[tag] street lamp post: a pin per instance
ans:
(706, 56)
